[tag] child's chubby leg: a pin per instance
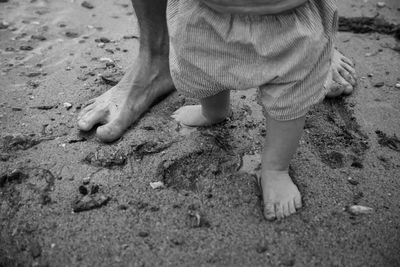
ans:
(212, 110)
(281, 196)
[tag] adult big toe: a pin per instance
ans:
(110, 131)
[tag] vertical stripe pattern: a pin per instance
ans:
(287, 56)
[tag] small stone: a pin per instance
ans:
(352, 181)
(4, 25)
(38, 37)
(101, 45)
(35, 249)
(67, 105)
(381, 4)
(106, 59)
(87, 5)
(83, 190)
(25, 48)
(156, 185)
(104, 40)
(143, 234)
(397, 85)
(86, 180)
(379, 84)
(359, 210)
(71, 34)
(68, 68)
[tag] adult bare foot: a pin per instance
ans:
(146, 80)
(342, 78)
(124, 103)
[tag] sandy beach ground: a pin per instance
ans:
(69, 200)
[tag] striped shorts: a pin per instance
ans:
(287, 56)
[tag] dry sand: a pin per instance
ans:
(53, 54)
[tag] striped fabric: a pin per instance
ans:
(287, 56)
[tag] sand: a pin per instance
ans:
(69, 200)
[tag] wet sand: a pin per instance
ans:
(68, 200)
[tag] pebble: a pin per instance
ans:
(156, 185)
(143, 234)
(86, 180)
(67, 105)
(71, 34)
(87, 5)
(379, 84)
(106, 59)
(101, 45)
(359, 210)
(397, 85)
(381, 4)
(35, 249)
(26, 47)
(352, 181)
(104, 40)
(4, 25)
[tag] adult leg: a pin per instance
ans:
(147, 78)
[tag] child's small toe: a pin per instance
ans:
(297, 202)
(279, 211)
(285, 209)
(269, 211)
(292, 208)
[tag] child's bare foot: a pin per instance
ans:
(193, 116)
(342, 78)
(212, 110)
(280, 195)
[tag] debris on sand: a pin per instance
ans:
(379, 84)
(25, 48)
(196, 218)
(381, 4)
(148, 147)
(16, 175)
(106, 158)
(44, 107)
(35, 249)
(368, 24)
(359, 210)
(352, 181)
(49, 178)
(89, 202)
(89, 198)
(87, 5)
(67, 105)
(390, 142)
(157, 185)
(112, 76)
(109, 79)
(18, 141)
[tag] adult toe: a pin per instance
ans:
(110, 132)
(91, 118)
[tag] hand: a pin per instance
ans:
(260, 7)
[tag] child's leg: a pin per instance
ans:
(280, 195)
(212, 110)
